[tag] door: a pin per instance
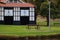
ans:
(24, 19)
(8, 17)
(8, 20)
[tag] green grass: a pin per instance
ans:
(21, 30)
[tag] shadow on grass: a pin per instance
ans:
(49, 37)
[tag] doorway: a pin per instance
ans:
(24, 20)
(8, 20)
(8, 16)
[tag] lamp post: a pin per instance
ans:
(49, 14)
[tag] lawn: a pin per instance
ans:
(21, 30)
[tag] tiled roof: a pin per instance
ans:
(15, 4)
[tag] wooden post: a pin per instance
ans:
(28, 26)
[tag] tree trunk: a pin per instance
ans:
(47, 17)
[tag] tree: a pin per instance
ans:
(38, 4)
(44, 11)
(42, 8)
(56, 7)
(55, 10)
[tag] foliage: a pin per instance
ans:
(42, 7)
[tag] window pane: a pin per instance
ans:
(0, 18)
(14, 9)
(31, 9)
(18, 9)
(18, 13)
(8, 12)
(18, 18)
(32, 19)
(0, 8)
(31, 14)
(0, 13)
(14, 14)
(24, 12)
(14, 18)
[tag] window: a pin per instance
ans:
(32, 14)
(16, 14)
(16, 18)
(0, 18)
(8, 12)
(14, 1)
(31, 9)
(31, 18)
(1, 14)
(24, 12)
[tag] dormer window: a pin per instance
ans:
(14, 1)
